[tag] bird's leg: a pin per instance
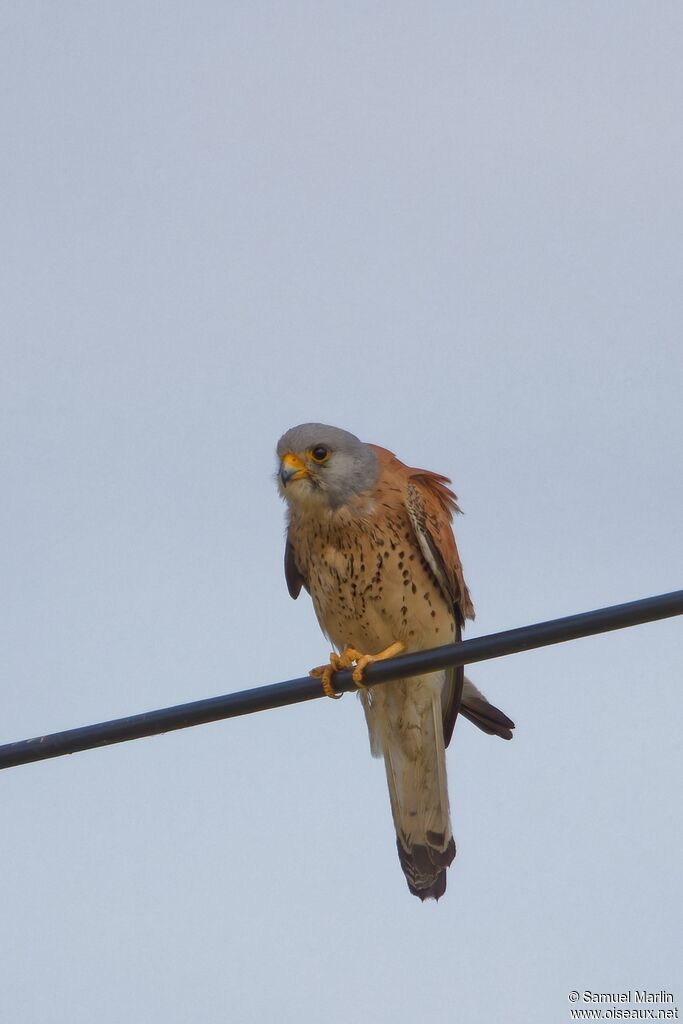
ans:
(363, 660)
(336, 663)
(346, 659)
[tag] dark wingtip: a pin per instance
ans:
(488, 718)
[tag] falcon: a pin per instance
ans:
(371, 541)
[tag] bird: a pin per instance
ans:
(371, 540)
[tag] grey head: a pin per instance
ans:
(323, 465)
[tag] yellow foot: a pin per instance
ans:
(363, 660)
(346, 659)
(336, 663)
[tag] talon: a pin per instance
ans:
(357, 674)
(325, 672)
(328, 688)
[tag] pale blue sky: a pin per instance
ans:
(454, 229)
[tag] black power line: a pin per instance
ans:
(294, 691)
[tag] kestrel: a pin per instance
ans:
(371, 541)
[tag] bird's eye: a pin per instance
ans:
(319, 453)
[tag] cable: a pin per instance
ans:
(294, 691)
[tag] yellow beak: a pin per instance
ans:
(292, 468)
